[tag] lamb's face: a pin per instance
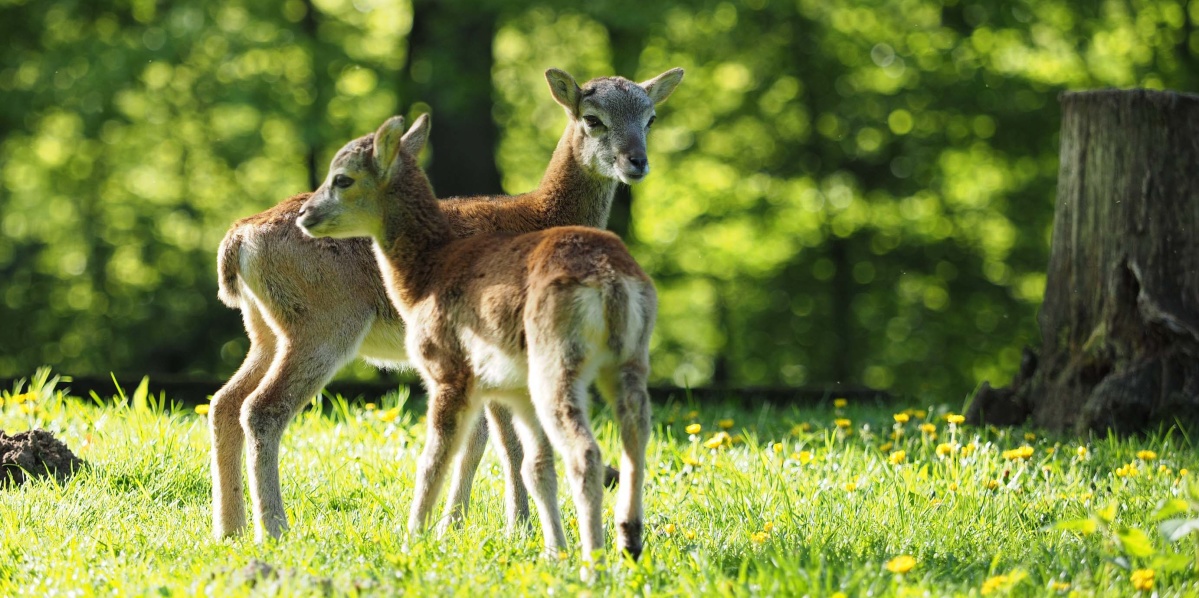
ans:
(611, 117)
(350, 201)
(345, 205)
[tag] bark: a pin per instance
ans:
(450, 62)
(1120, 319)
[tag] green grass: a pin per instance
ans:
(741, 519)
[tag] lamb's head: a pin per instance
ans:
(611, 117)
(350, 201)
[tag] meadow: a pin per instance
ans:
(836, 499)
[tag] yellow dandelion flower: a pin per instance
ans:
(1182, 472)
(1081, 452)
(371, 406)
(1146, 456)
(804, 457)
(21, 398)
(759, 537)
(955, 419)
(725, 424)
(1163, 468)
(718, 440)
(769, 527)
(1058, 586)
(969, 449)
(928, 428)
(901, 564)
(1024, 453)
(945, 449)
(1, 401)
(1029, 436)
(850, 486)
(689, 460)
(694, 429)
(388, 415)
(993, 584)
(898, 457)
(919, 413)
(886, 447)
(203, 408)
(668, 529)
(839, 595)
(778, 448)
(901, 418)
(953, 486)
(1129, 470)
(840, 403)
(689, 534)
(992, 484)
(1142, 579)
(842, 423)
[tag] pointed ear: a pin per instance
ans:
(659, 88)
(387, 142)
(564, 89)
(414, 140)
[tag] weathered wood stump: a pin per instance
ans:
(1120, 319)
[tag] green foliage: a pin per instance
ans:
(842, 192)
(739, 502)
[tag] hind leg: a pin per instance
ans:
(537, 471)
(561, 404)
(299, 371)
(225, 431)
(625, 388)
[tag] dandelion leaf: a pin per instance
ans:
(1135, 543)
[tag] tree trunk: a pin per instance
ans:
(1120, 320)
(449, 69)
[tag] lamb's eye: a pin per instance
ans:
(342, 181)
(651, 121)
(593, 121)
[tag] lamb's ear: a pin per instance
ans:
(387, 142)
(565, 90)
(659, 88)
(414, 140)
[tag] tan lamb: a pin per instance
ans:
(310, 305)
(528, 320)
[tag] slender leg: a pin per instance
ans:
(561, 405)
(464, 475)
(508, 447)
(450, 420)
(225, 431)
(539, 476)
(298, 373)
(626, 389)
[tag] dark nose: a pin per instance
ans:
(639, 160)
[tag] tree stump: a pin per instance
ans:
(1120, 320)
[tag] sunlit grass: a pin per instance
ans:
(741, 500)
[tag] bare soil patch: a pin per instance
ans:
(36, 453)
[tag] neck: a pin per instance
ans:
(414, 229)
(570, 193)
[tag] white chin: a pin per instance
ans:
(628, 179)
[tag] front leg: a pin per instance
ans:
(458, 499)
(451, 416)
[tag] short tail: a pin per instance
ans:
(630, 308)
(228, 267)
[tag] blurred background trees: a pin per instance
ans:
(842, 192)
